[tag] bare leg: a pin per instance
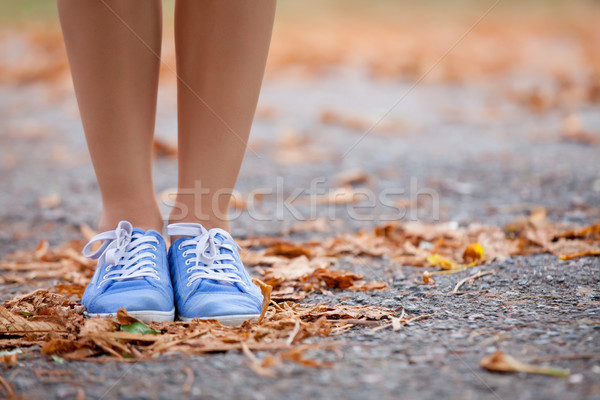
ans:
(222, 47)
(112, 47)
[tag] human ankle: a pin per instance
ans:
(208, 224)
(137, 218)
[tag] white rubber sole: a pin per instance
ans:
(228, 320)
(144, 315)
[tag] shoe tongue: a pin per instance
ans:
(149, 232)
(220, 238)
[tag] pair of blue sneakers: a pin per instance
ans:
(201, 276)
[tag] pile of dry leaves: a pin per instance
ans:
(55, 321)
(296, 269)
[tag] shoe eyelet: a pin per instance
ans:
(157, 278)
(189, 284)
(153, 264)
(153, 255)
(154, 248)
(189, 271)
(184, 254)
(179, 248)
(187, 262)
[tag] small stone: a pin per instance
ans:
(388, 303)
(575, 379)
(411, 307)
(475, 316)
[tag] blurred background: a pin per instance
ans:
(466, 111)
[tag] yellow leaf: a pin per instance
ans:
(438, 261)
(474, 254)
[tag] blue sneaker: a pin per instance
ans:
(209, 278)
(132, 272)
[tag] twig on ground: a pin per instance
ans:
(294, 333)
(380, 328)
(479, 274)
(354, 321)
(255, 365)
(341, 329)
(396, 322)
(457, 293)
(189, 380)
(417, 318)
(9, 390)
(567, 357)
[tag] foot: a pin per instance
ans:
(209, 279)
(132, 272)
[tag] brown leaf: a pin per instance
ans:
(589, 232)
(341, 195)
(574, 131)
(238, 201)
(125, 318)
(95, 325)
(296, 269)
(288, 250)
(87, 232)
(351, 177)
(316, 225)
(12, 324)
(500, 362)
(266, 292)
(49, 201)
(9, 360)
(60, 346)
(368, 287)
(346, 312)
(341, 279)
(298, 355)
(163, 148)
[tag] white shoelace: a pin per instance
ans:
(123, 254)
(206, 261)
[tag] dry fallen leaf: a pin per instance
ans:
(288, 250)
(340, 279)
(474, 254)
(163, 148)
(427, 278)
(55, 321)
(49, 201)
(501, 362)
(436, 260)
(9, 358)
(351, 177)
(574, 131)
(14, 325)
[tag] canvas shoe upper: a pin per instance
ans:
(209, 278)
(132, 272)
